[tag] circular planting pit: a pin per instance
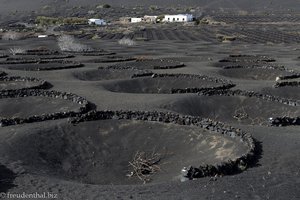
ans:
(168, 84)
(16, 83)
(109, 74)
(110, 59)
(40, 65)
(254, 73)
(25, 106)
(150, 64)
(235, 107)
(107, 148)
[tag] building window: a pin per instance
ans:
(173, 19)
(177, 19)
(168, 19)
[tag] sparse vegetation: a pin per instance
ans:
(16, 50)
(11, 35)
(226, 38)
(44, 21)
(127, 42)
(68, 43)
(144, 165)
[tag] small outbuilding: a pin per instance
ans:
(178, 18)
(150, 19)
(99, 22)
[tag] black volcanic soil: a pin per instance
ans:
(99, 152)
(31, 155)
(232, 109)
(28, 106)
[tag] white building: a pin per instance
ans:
(178, 18)
(135, 19)
(97, 22)
(42, 36)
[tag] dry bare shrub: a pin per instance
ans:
(240, 114)
(144, 165)
(127, 42)
(16, 50)
(68, 43)
(11, 35)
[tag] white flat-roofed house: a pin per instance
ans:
(42, 36)
(178, 18)
(136, 19)
(97, 22)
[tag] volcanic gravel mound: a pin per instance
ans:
(99, 152)
(168, 83)
(232, 109)
(108, 74)
(150, 64)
